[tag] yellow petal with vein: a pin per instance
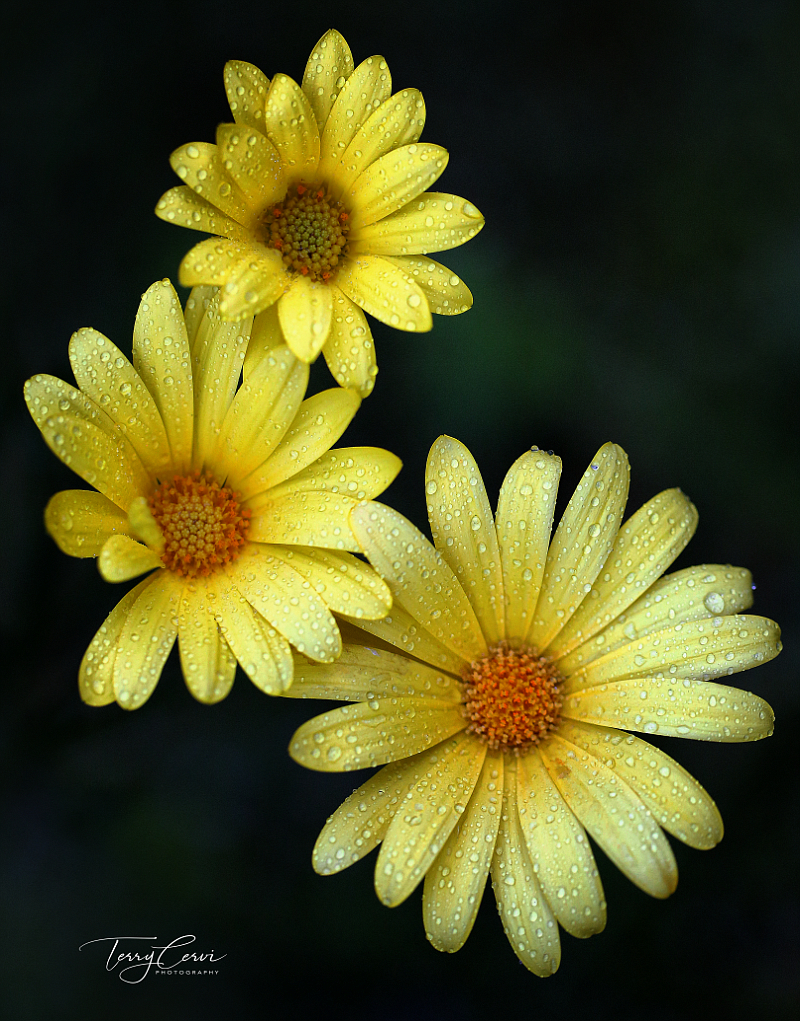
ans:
(214, 260)
(614, 815)
(383, 290)
(372, 733)
(146, 640)
(305, 313)
(400, 629)
(421, 581)
(433, 222)
(106, 376)
(559, 850)
(582, 542)
(82, 436)
(186, 208)
(264, 338)
(447, 293)
(246, 87)
(329, 65)
(253, 284)
(364, 91)
(80, 521)
(645, 546)
(526, 916)
(345, 584)
(395, 179)
(253, 163)
(455, 882)
(305, 519)
(195, 310)
(161, 357)
(429, 813)
(359, 473)
(463, 531)
(350, 351)
(292, 127)
(122, 558)
(200, 166)
(96, 674)
(207, 662)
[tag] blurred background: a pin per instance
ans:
(638, 280)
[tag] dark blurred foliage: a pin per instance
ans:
(638, 280)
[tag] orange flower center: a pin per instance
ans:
(513, 698)
(309, 229)
(203, 524)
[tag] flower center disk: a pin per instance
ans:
(203, 524)
(309, 228)
(512, 698)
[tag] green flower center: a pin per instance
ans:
(309, 229)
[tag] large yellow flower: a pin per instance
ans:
(231, 498)
(315, 193)
(503, 715)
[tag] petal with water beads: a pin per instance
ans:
(185, 207)
(96, 674)
(246, 87)
(447, 293)
(199, 166)
(327, 69)
(394, 180)
(350, 350)
(292, 127)
(433, 222)
(404, 632)
(122, 558)
(346, 585)
(253, 163)
(146, 639)
(80, 521)
(207, 662)
(305, 312)
(383, 290)
(364, 91)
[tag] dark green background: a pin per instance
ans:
(638, 280)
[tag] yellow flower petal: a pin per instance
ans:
(676, 708)
(397, 121)
(200, 166)
(329, 65)
(161, 357)
(646, 545)
(350, 351)
(80, 521)
(463, 531)
(364, 91)
(247, 89)
(253, 163)
(305, 519)
(106, 376)
(260, 414)
(287, 601)
(675, 798)
(426, 818)
(455, 881)
(305, 313)
(395, 179)
(524, 520)
(82, 436)
(361, 821)
(218, 352)
(318, 424)
(383, 290)
(253, 284)
(362, 674)
(147, 637)
(264, 656)
(559, 850)
(691, 594)
(359, 473)
(432, 223)
(184, 207)
(292, 127)
(122, 558)
(526, 916)
(614, 815)
(697, 650)
(447, 293)
(345, 584)
(197, 305)
(207, 662)
(582, 543)
(264, 338)
(372, 733)
(421, 581)
(96, 674)
(400, 629)
(214, 260)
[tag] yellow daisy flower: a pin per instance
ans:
(502, 717)
(315, 194)
(231, 498)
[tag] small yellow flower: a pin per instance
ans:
(316, 195)
(230, 497)
(503, 715)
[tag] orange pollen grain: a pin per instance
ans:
(512, 698)
(203, 524)
(309, 228)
